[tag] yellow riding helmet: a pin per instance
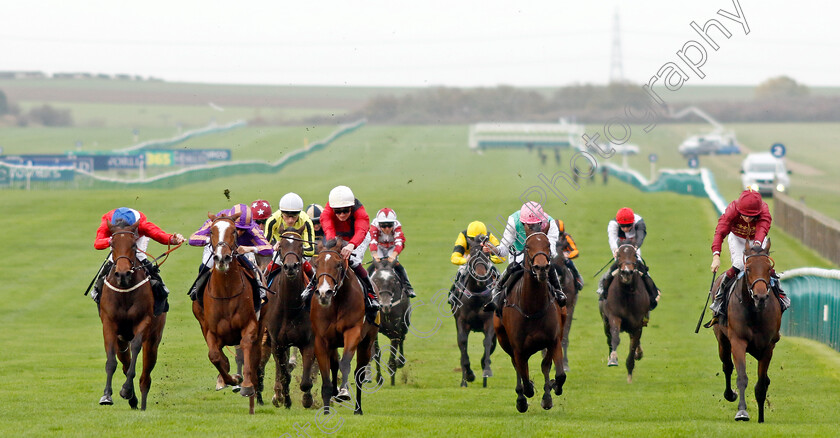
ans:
(476, 228)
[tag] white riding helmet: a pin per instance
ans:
(291, 202)
(341, 196)
(386, 215)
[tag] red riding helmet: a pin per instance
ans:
(261, 210)
(625, 216)
(749, 203)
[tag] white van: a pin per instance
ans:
(765, 173)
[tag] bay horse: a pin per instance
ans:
(624, 308)
(287, 322)
(227, 315)
(338, 320)
(474, 291)
(395, 322)
(532, 321)
(754, 316)
(126, 308)
(567, 280)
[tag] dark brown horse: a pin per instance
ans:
(567, 280)
(532, 321)
(287, 322)
(625, 308)
(227, 314)
(754, 316)
(474, 291)
(126, 309)
(338, 320)
(395, 321)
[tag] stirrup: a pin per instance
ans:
(711, 322)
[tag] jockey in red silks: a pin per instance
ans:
(145, 229)
(344, 216)
(387, 242)
(745, 219)
(250, 242)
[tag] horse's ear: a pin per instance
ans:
(235, 217)
(767, 248)
(300, 230)
(211, 216)
(134, 226)
(747, 245)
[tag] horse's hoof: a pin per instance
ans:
(488, 373)
(106, 400)
(260, 399)
(528, 390)
(126, 394)
(236, 388)
(521, 405)
(238, 378)
(463, 383)
(639, 353)
(307, 400)
(742, 415)
(343, 395)
(358, 412)
(132, 402)
(613, 361)
(246, 391)
(730, 396)
(547, 403)
(566, 368)
(470, 377)
(275, 401)
(220, 383)
(629, 378)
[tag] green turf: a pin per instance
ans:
(53, 361)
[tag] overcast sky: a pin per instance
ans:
(425, 42)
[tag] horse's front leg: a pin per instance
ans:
(392, 360)
(763, 381)
(250, 344)
(377, 358)
(489, 345)
(109, 334)
(545, 366)
(521, 401)
(308, 355)
(219, 360)
(739, 351)
(266, 351)
(127, 391)
(281, 381)
(635, 345)
(614, 337)
(725, 354)
(323, 355)
(150, 353)
(467, 374)
(351, 342)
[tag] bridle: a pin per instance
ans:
(132, 260)
(751, 285)
(533, 258)
(222, 243)
(291, 236)
(338, 282)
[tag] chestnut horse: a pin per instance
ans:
(624, 308)
(126, 309)
(567, 280)
(287, 322)
(475, 290)
(338, 320)
(227, 315)
(532, 321)
(395, 321)
(754, 316)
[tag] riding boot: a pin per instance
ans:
(400, 270)
(575, 274)
(307, 269)
(652, 291)
(159, 290)
(717, 306)
(373, 300)
(501, 287)
(556, 287)
(96, 294)
(307, 291)
(776, 286)
(605, 283)
(197, 289)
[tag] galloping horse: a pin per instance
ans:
(475, 291)
(395, 322)
(567, 280)
(624, 309)
(532, 321)
(338, 320)
(227, 315)
(126, 309)
(288, 323)
(754, 316)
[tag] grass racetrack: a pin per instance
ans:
(52, 357)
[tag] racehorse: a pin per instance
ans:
(287, 323)
(227, 314)
(338, 320)
(474, 291)
(624, 308)
(754, 316)
(567, 280)
(126, 308)
(395, 304)
(532, 321)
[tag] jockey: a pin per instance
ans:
(628, 227)
(387, 241)
(249, 240)
(344, 216)
(125, 216)
(290, 215)
(531, 217)
(476, 231)
(261, 210)
(314, 213)
(747, 218)
(569, 249)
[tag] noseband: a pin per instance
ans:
(291, 236)
(131, 260)
(751, 285)
(532, 259)
(222, 243)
